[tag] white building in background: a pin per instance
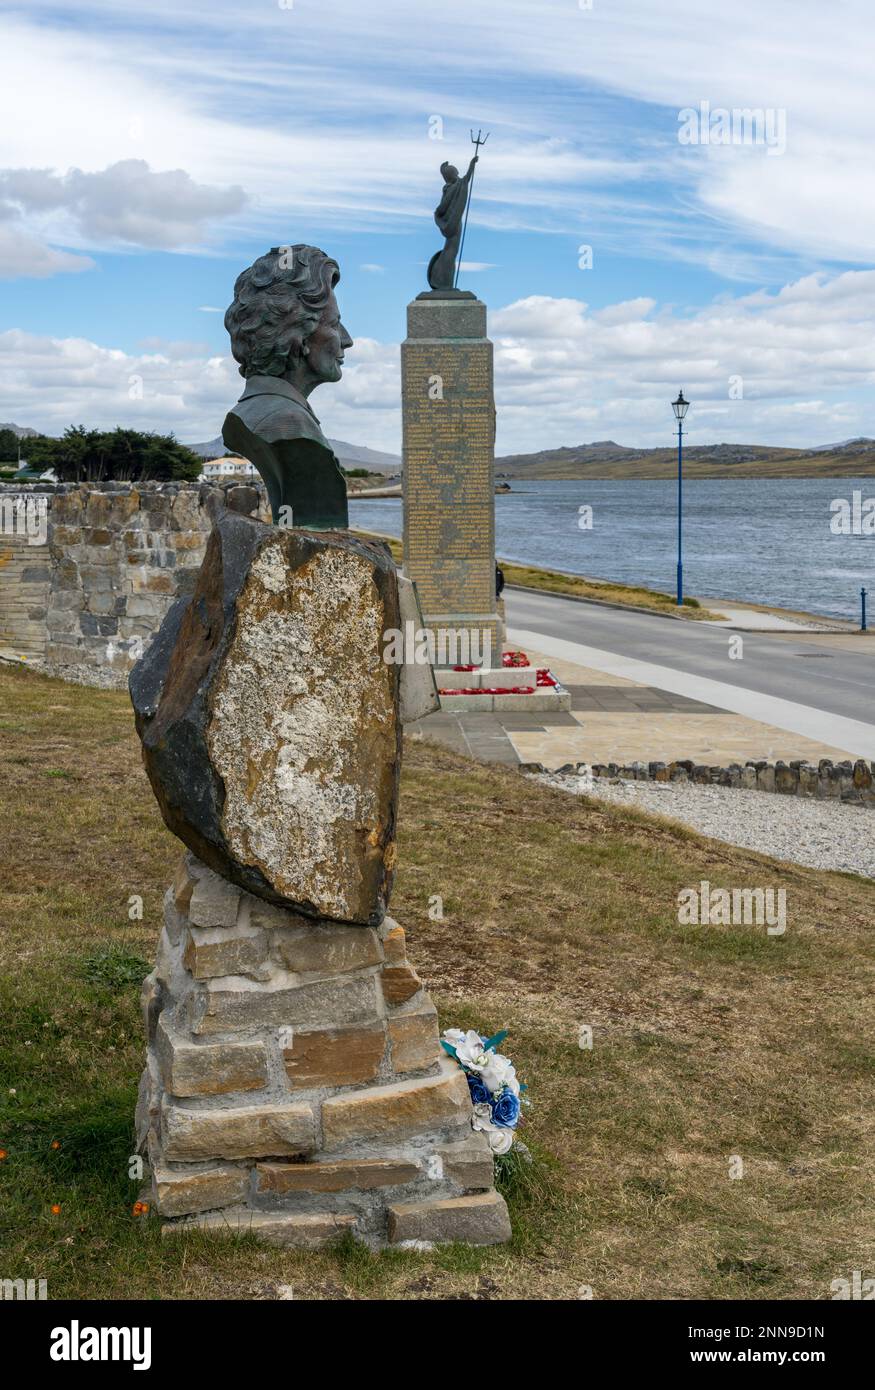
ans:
(217, 470)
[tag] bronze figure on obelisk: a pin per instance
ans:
(448, 215)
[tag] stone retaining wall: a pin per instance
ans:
(845, 781)
(84, 605)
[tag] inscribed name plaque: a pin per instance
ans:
(449, 488)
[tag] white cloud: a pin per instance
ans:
(804, 358)
(25, 256)
(127, 202)
(565, 375)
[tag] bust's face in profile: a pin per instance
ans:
(326, 346)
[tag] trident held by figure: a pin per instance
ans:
(476, 142)
(443, 269)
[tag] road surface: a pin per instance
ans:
(827, 683)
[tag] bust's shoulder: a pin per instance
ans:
(275, 414)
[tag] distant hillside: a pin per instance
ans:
(605, 459)
(21, 430)
(349, 455)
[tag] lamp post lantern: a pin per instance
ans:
(680, 408)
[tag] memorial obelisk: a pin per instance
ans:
(448, 413)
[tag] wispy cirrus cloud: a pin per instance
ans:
(326, 114)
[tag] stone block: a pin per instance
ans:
(393, 1112)
(325, 950)
(479, 1219)
(394, 942)
(363, 1174)
(209, 1069)
(214, 901)
(786, 779)
(190, 541)
(413, 1037)
(145, 606)
(418, 695)
(334, 1056)
(180, 1191)
(472, 703)
(183, 883)
(151, 1004)
(537, 699)
(253, 1131)
(216, 951)
(303, 1231)
(147, 1113)
(341, 1001)
(469, 1163)
(399, 983)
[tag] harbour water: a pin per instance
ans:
(760, 540)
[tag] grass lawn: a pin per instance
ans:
(708, 1042)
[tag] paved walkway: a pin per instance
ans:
(851, 737)
(757, 620)
(615, 718)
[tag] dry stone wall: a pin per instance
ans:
(116, 556)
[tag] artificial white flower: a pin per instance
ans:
(454, 1036)
(482, 1118)
(500, 1072)
(471, 1053)
(500, 1140)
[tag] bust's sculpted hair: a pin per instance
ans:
(277, 304)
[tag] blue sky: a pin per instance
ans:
(173, 143)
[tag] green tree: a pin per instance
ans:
(8, 446)
(119, 455)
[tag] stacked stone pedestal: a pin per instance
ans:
(295, 1086)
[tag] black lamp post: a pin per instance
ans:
(680, 408)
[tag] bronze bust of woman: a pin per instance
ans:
(287, 336)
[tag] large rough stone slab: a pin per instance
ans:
(269, 719)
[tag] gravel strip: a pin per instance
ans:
(820, 834)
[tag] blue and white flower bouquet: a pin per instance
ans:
(492, 1081)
